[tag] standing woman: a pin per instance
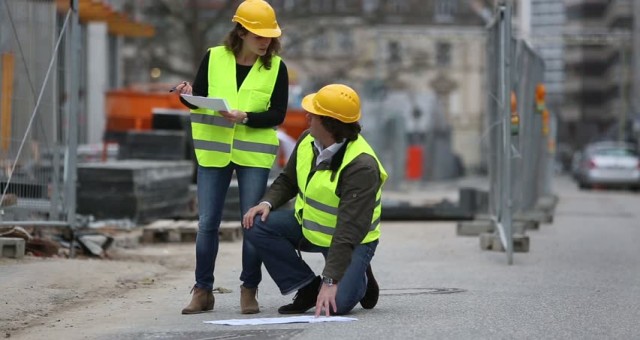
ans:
(248, 73)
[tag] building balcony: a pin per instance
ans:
(570, 112)
(577, 55)
(577, 85)
(579, 3)
(619, 14)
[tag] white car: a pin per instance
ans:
(608, 164)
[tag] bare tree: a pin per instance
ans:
(184, 31)
(186, 28)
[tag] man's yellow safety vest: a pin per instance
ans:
(317, 199)
(216, 140)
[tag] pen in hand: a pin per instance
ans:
(176, 87)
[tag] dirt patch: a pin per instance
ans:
(35, 289)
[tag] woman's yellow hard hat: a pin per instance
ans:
(258, 17)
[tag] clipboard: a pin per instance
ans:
(216, 104)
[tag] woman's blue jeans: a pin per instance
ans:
(278, 239)
(213, 184)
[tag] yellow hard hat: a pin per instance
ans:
(336, 100)
(258, 17)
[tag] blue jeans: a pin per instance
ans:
(213, 184)
(277, 241)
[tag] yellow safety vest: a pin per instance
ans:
(317, 197)
(217, 141)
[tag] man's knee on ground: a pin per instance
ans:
(343, 310)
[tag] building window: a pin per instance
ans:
(321, 6)
(347, 6)
(345, 41)
(289, 5)
(293, 44)
(395, 55)
(370, 6)
(443, 54)
(445, 10)
(400, 7)
(320, 44)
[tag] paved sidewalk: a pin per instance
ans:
(580, 280)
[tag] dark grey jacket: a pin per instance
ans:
(357, 188)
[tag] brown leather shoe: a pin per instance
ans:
(201, 301)
(248, 302)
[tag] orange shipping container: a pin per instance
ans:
(295, 122)
(132, 110)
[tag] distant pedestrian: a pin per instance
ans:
(336, 179)
(248, 73)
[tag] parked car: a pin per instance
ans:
(607, 164)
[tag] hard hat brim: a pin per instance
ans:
(266, 32)
(307, 104)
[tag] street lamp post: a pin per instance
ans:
(636, 61)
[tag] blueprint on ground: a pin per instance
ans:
(287, 319)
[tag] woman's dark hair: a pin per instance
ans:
(339, 130)
(234, 43)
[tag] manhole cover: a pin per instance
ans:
(420, 291)
(214, 335)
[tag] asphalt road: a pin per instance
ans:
(580, 280)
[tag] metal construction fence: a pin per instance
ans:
(38, 113)
(519, 129)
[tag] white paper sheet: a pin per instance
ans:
(287, 319)
(216, 104)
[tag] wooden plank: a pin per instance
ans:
(7, 69)
(169, 231)
(230, 231)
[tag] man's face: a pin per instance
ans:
(316, 129)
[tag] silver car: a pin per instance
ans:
(607, 164)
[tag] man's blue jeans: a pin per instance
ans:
(277, 241)
(213, 184)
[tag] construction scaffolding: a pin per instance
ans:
(38, 110)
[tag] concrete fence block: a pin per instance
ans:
(547, 203)
(534, 215)
(477, 227)
(474, 228)
(527, 225)
(12, 247)
(486, 241)
(490, 241)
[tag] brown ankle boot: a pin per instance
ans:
(248, 302)
(201, 301)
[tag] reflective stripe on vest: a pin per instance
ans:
(318, 201)
(216, 140)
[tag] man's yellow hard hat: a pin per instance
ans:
(258, 17)
(336, 101)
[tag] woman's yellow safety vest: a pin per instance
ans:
(216, 140)
(318, 201)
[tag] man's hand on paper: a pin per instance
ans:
(326, 299)
(234, 116)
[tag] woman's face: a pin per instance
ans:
(256, 44)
